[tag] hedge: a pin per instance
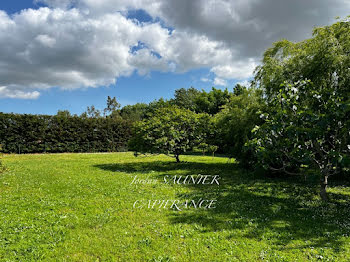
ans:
(56, 134)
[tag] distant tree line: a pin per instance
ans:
(110, 129)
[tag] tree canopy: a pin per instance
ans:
(306, 88)
(170, 130)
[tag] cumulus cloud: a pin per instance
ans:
(6, 92)
(238, 70)
(205, 79)
(65, 48)
(88, 43)
(249, 25)
(220, 82)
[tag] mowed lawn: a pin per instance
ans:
(79, 207)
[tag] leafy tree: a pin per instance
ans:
(306, 86)
(204, 147)
(157, 104)
(112, 106)
(233, 124)
(186, 98)
(170, 130)
(63, 113)
(308, 130)
(135, 112)
(91, 111)
(239, 89)
(213, 101)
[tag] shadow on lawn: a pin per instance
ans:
(279, 210)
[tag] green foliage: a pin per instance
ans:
(92, 112)
(156, 105)
(213, 101)
(170, 130)
(201, 101)
(306, 86)
(186, 98)
(112, 106)
(308, 128)
(322, 59)
(239, 90)
(233, 124)
(204, 147)
(62, 133)
(135, 112)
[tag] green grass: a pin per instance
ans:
(79, 207)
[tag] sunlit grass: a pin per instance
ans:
(79, 207)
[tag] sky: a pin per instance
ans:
(70, 54)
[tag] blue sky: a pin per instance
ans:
(128, 90)
(70, 54)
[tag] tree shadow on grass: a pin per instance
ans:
(279, 210)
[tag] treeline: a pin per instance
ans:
(109, 129)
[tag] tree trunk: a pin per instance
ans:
(323, 190)
(177, 158)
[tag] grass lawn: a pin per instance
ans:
(79, 207)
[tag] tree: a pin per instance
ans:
(157, 104)
(63, 113)
(308, 130)
(91, 111)
(239, 89)
(186, 98)
(112, 106)
(233, 124)
(213, 101)
(306, 86)
(170, 130)
(135, 112)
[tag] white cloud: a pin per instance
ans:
(70, 49)
(205, 79)
(65, 48)
(6, 92)
(220, 82)
(236, 70)
(89, 43)
(46, 40)
(145, 61)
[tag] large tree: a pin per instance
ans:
(307, 89)
(170, 130)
